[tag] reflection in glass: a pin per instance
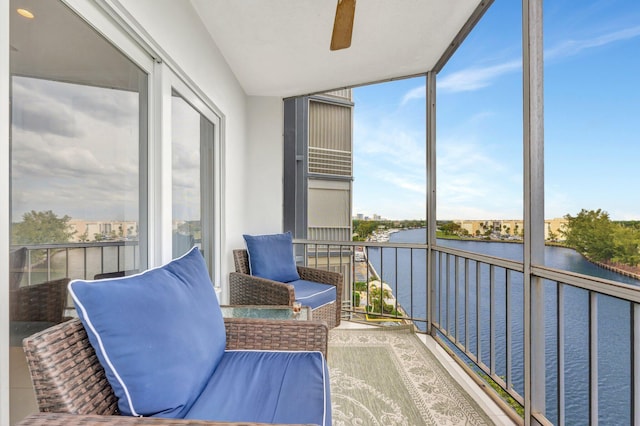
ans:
(185, 154)
(78, 138)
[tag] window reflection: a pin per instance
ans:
(78, 167)
(192, 143)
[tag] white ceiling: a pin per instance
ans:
(281, 47)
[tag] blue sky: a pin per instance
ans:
(592, 121)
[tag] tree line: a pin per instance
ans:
(590, 232)
(595, 235)
(364, 228)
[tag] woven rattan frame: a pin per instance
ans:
(39, 302)
(17, 262)
(245, 289)
(59, 419)
(68, 378)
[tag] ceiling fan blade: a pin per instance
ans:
(343, 24)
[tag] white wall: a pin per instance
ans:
(253, 126)
(264, 168)
(252, 135)
(176, 28)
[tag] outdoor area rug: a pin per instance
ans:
(388, 377)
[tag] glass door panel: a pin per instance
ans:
(78, 170)
(192, 170)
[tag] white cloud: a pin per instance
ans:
(471, 184)
(78, 161)
(389, 168)
(476, 77)
(405, 182)
(419, 92)
(573, 47)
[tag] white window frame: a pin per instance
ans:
(171, 81)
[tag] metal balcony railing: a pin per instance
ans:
(476, 307)
(46, 262)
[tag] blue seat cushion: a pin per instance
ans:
(313, 294)
(271, 257)
(267, 387)
(159, 335)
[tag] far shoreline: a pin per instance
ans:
(625, 270)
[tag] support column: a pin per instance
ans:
(431, 197)
(533, 144)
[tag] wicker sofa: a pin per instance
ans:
(68, 378)
(245, 289)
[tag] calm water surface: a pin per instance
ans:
(409, 285)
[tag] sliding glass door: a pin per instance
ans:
(78, 169)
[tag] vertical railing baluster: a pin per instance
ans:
(66, 263)
(593, 358)
(29, 267)
(101, 258)
(84, 254)
(48, 264)
(448, 283)
(455, 298)
(329, 258)
(381, 280)
(439, 288)
(507, 331)
(492, 319)
(635, 363)
(560, 351)
(366, 251)
(353, 275)
(478, 325)
(396, 281)
(411, 284)
(466, 306)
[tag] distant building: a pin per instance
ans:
(511, 227)
(88, 230)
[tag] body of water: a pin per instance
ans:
(614, 331)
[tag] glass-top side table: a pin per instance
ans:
(271, 312)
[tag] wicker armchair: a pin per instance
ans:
(68, 378)
(17, 262)
(246, 289)
(39, 302)
(44, 302)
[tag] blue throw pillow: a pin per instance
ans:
(271, 257)
(159, 335)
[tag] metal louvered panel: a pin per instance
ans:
(344, 93)
(329, 126)
(329, 161)
(317, 233)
